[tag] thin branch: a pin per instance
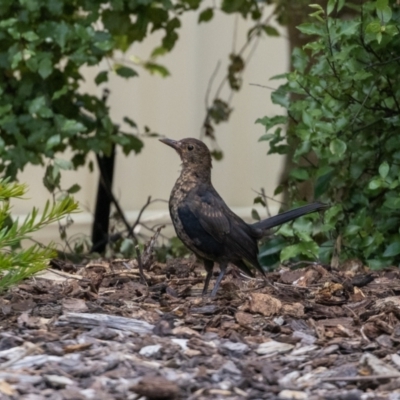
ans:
(264, 196)
(263, 86)
(269, 197)
(379, 64)
(140, 265)
(235, 31)
(362, 105)
(210, 83)
(361, 378)
(133, 226)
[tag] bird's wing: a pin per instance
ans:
(210, 211)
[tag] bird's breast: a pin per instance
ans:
(177, 200)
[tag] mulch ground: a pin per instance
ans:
(100, 331)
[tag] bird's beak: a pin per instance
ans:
(172, 143)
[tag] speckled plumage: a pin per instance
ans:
(206, 225)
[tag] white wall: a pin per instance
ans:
(175, 106)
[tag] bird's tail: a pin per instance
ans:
(288, 216)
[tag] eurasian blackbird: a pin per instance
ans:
(204, 222)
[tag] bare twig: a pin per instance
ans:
(133, 226)
(262, 86)
(210, 83)
(360, 378)
(265, 199)
(140, 265)
(270, 198)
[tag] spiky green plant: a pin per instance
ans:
(18, 263)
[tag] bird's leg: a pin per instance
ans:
(222, 267)
(209, 266)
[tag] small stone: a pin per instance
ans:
(244, 318)
(230, 367)
(295, 310)
(264, 304)
(377, 366)
(185, 331)
(149, 351)
(58, 380)
(292, 395)
(156, 388)
(181, 342)
(289, 380)
(305, 337)
(192, 353)
(279, 320)
(273, 347)
(303, 350)
(236, 347)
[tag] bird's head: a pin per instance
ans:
(194, 153)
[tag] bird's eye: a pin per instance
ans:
(190, 147)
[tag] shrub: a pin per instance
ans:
(343, 101)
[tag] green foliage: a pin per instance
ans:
(175, 248)
(16, 263)
(44, 44)
(343, 99)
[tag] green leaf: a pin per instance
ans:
(74, 189)
(340, 5)
(323, 183)
(351, 230)
(158, 51)
(270, 31)
(309, 249)
(381, 4)
(206, 15)
(60, 93)
(63, 164)
(384, 170)
(130, 122)
(127, 247)
(272, 246)
(72, 126)
(337, 147)
(125, 72)
(392, 250)
(385, 15)
(373, 27)
(37, 104)
(255, 215)
(299, 60)
(316, 6)
(157, 69)
(45, 68)
(300, 174)
(230, 6)
(101, 77)
(217, 155)
(30, 36)
(310, 28)
(393, 203)
(375, 184)
(280, 97)
(53, 141)
(330, 7)
(61, 33)
(269, 122)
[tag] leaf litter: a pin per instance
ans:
(107, 330)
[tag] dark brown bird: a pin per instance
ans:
(206, 225)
